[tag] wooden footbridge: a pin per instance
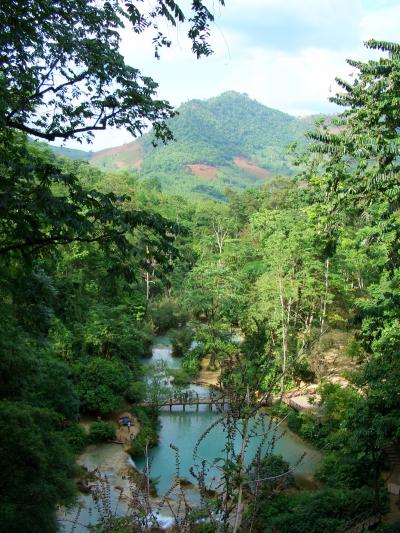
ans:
(218, 401)
(183, 401)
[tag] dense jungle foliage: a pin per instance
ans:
(93, 264)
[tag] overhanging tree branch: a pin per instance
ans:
(83, 64)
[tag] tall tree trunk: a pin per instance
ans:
(375, 461)
(147, 278)
(325, 298)
(284, 323)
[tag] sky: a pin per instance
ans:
(283, 53)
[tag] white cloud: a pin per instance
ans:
(295, 24)
(382, 24)
(293, 71)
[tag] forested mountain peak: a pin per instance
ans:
(228, 140)
(241, 123)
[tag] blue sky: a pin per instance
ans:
(283, 53)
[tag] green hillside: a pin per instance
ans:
(241, 139)
(71, 153)
(226, 141)
(126, 157)
(233, 124)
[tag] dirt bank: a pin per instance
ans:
(124, 434)
(208, 377)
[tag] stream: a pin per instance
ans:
(182, 429)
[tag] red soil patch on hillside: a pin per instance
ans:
(251, 167)
(131, 155)
(206, 172)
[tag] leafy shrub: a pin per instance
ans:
(112, 331)
(191, 364)
(280, 409)
(273, 466)
(144, 415)
(312, 512)
(181, 340)
(294, 421)
(136, 392)
(326, 427)
(312, 428)
(303, 372)
(255, 342)
(167, 314)
(346, 463)
(146, 336)
(355, 350)
(102, 431)
(76, 438)
(148, 434)
(181, 378)
(345, 468)
(102, 383)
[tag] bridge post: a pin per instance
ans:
(184, 406)
(170, 406)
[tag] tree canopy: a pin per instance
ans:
(62, 74)
(72, 251)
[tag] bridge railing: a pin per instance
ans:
(186, 400)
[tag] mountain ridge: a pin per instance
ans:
(228, 140)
